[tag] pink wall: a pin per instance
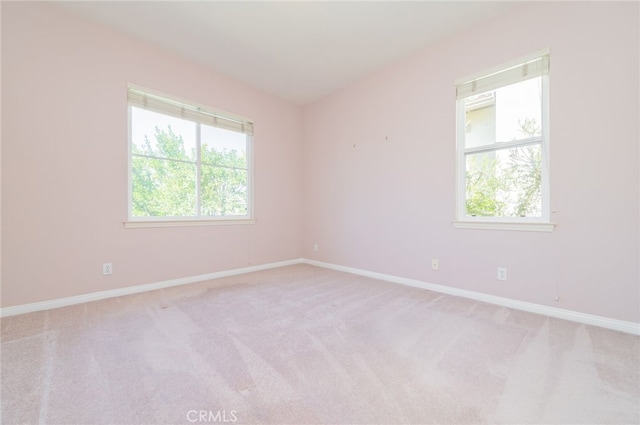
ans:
(376, 162)
(64, 163)
(379, 162)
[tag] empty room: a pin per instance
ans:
(320, 212)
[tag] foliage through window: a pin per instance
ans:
(503, 144)
(187, 162)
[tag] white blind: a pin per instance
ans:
(515, 74)
(178, 109)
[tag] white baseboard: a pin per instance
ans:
(95, 296)
(574, 316)
(589, 319)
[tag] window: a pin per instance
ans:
(503, 144)
(187, 163)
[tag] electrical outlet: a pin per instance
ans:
(435, 264)
(107, 269)
(315, 247)
(502, 273)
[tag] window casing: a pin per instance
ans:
(503, 145)
(187, 163)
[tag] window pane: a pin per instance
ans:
(162, 136)
(223, 147)
(510, 113)
(224, 191)
(162, 188)
(518, 110)
(504, 183)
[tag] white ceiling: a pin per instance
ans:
(297, 50)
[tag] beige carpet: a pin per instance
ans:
(301, 345)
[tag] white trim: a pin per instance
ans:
(545, 183)
(461, 175)
(508, 75)
(129, 164)
(574, 316)
(95, 296)
(137, 224)
(137, 97)
(493, 225)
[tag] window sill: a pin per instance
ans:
(136, 224)
(525, 227)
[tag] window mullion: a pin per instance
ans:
(506, 180)
(161, 158)
(159, 176)
(504, 145)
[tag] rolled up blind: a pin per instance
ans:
(178, 109)
(521, 72)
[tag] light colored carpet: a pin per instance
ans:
(301, 345)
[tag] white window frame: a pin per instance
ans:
(171, 106)
(509, 73)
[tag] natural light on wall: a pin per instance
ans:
(503, 145)
(187, 163)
